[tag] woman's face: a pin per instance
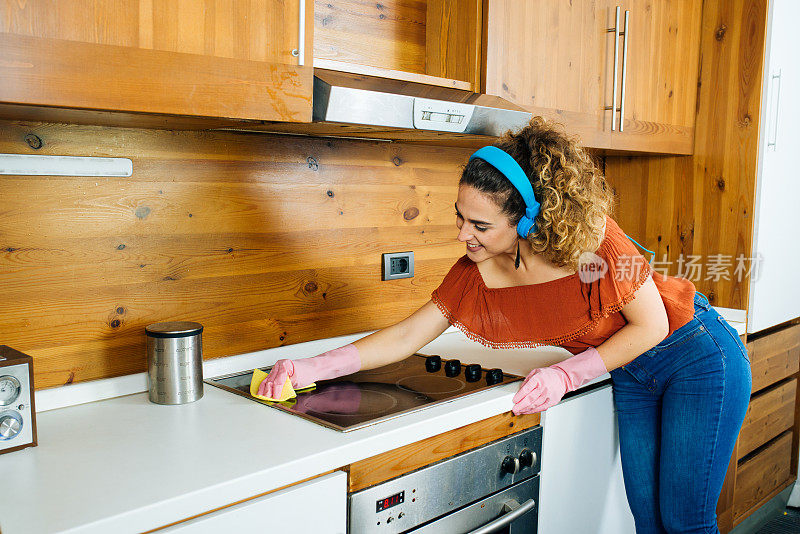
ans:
(484, 229)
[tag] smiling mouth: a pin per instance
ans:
(473, 247)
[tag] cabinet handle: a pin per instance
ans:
(624, 72)
(300, 51)
(775, 101)
(613, 107)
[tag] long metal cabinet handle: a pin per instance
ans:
(300, 51)
(624, 72)
(517, 510)
(613, 107)
(775, 101)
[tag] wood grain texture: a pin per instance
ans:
(388, 34)
(43, 71)
(562, 46)
(256, 30)
(762, 476)
(774, 357)
(702, 205)
(569, 68)
(377, 469)
(770, 413)
(265, 240)
(195, 57)
(453, 39)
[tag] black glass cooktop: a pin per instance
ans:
(367, 397)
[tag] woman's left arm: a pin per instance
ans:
(647, 327)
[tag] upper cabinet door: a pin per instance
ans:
(552, 58)
(658, 74)
(560, 59)
(205, 58)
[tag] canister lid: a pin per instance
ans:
(174, 329)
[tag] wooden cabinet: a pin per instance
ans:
(434, 42)
(558, 59)
(221, 59)
(765, 457)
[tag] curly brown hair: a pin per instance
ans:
(570, 187)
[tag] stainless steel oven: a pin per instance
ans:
(493, 488)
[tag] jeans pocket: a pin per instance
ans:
(683, 334)
(734, 337)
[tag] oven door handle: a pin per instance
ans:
(513, 509)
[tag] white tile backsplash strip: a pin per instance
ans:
(35, 165)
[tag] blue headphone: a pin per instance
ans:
(508, 166)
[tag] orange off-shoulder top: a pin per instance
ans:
(568, 311)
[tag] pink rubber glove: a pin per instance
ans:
(334, 363)
(545, 387)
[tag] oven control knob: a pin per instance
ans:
(452, 368)
(433, 363)
(472, 372)
(494, 376)
(510, 465)
(389, 519)
(527, 458)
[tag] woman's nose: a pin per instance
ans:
(463, 233)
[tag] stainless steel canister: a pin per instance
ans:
(175, 362)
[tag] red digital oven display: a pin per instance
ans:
(388, 502)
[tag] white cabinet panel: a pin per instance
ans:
(319, 506)
(775, 292)
(581, 487)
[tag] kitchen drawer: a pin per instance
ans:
(770, 413)
(774, 357)
(763, 475)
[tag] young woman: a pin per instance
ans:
(546, 265)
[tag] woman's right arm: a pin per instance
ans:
(390, 344)
(401, 340)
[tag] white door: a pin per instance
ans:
(318, 506)
(775, 292)
(582, 491)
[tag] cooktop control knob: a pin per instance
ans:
(494, 376)
(433, 363)
(472, 372)
(527, 458)
(510, 465)
(452, 368)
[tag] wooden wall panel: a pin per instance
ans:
(702, 204)
(265, 240)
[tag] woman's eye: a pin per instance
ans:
(480, 229)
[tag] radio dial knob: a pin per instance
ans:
(10, 426)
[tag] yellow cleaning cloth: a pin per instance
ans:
(288, 392)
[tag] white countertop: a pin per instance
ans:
(127, 465)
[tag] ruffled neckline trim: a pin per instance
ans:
(563, 279)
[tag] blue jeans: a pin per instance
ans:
(680, 407)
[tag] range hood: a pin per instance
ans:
(385, 104)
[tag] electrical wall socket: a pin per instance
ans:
(398, 265)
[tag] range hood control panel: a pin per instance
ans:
(441, 116)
